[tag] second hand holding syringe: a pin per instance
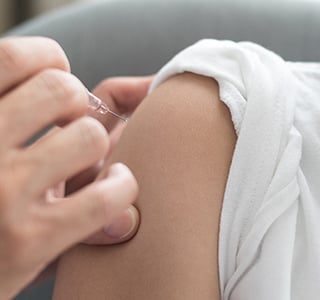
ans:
(97, 105)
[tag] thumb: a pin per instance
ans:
(121, 230)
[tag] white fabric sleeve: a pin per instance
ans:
(262, 202)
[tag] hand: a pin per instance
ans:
(36, 223)
(123, 95)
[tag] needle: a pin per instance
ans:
(97, 105)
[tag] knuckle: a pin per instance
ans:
(65, 89)
(94, 136)
(61, 60)
(11, 57)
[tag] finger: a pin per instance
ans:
(45, 136)
(21, 58)
(79, 180)
(121, 230)
(52, 96)
(67, 152)
(96, 206)
(89, 175)
(122, 95)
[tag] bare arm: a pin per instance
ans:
(179, 145)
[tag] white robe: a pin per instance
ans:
(269, 242)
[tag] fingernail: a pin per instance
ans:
(124, 226)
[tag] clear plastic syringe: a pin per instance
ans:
(97, 105)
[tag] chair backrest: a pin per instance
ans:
(118, 37)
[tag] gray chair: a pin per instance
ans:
(136, 37)
(116, 37)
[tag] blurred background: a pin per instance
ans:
(13, 12)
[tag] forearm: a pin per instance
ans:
(179, 145)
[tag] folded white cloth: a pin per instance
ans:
(269, 243)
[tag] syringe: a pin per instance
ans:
(97, 105)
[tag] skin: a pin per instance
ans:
(37, 222)
(179, 144)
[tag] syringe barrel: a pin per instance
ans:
(94, 102)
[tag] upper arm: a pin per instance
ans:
(179, 145)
